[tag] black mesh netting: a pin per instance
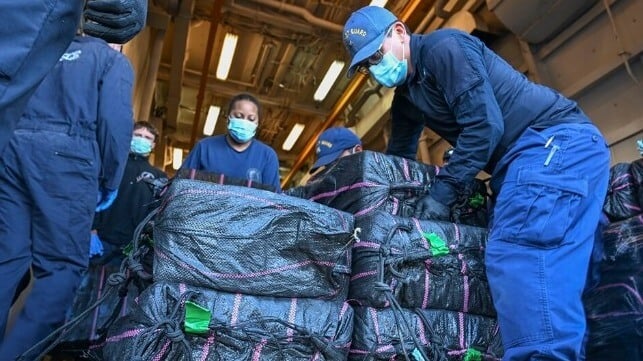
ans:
(250, 241)
(442, 335)
(423, 264)
(614, 307)
(240, 327)
(622, 195)
(369, 181)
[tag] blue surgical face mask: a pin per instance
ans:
(390, 72)
(140, 145)
(241, 130)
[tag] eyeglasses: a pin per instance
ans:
(370, 61)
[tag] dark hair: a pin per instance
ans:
(244, 96)
(147, 125)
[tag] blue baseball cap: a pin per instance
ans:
(332, 142)
(364, 33)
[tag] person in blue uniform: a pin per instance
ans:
(68, 150)
(238, 154)
(549, 167)
(35, 33)
(334, 143)
(115, 226)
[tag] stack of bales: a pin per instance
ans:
(241, 274)
(614, 305)
(418, 287)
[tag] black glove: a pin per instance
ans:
(429, 208)
(115, 21)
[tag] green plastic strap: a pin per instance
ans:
(438, 245)
(128, 249)
(197, 318)
(472, 355)
(417, 355)
(476, 200)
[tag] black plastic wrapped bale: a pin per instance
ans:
(439, 334)
(622, 200)
(250, 241)
(419, 264)
(636, 170)
(614, 311)
(191, 173)
(614, 308)
(627, 350)
(369, 181)
(623, 245)
(179, 322)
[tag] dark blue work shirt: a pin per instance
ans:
(258, 163)
(472, 98)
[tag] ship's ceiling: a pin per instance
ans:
(284, 49)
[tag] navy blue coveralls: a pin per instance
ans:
(33, 35)
(73, 138)
(549, 167)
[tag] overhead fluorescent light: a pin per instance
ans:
(329, 79)
(380, 3)
(296, 131)
(211, 119)
(227, 53)
(177, 158)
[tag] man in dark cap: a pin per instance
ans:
(334, 143)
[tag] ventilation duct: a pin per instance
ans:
(536, 21)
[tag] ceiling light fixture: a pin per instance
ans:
(296, 131)
(177, 158)
(211, 119)
(380, 3)
(227, 53)
(329, 79)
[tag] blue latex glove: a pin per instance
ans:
(115, 21)
(428, 208)
(95, 246)
(105, 199)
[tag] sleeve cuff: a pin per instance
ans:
(444, 193)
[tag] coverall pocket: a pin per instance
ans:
(539, 208)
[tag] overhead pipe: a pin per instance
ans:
(158, 37)
(179, 48)
(215, 18)
(355, 84)
(293, 9)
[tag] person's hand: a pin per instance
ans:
(115, 21)
(95, 246)
(105, 199)
(429, 208)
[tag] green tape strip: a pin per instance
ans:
(438, 245)
(472, 355)
(197, 318)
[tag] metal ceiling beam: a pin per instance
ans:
(356, 83)
(215, 18)
(192, 79)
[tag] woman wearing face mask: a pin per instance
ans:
(238, 154)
